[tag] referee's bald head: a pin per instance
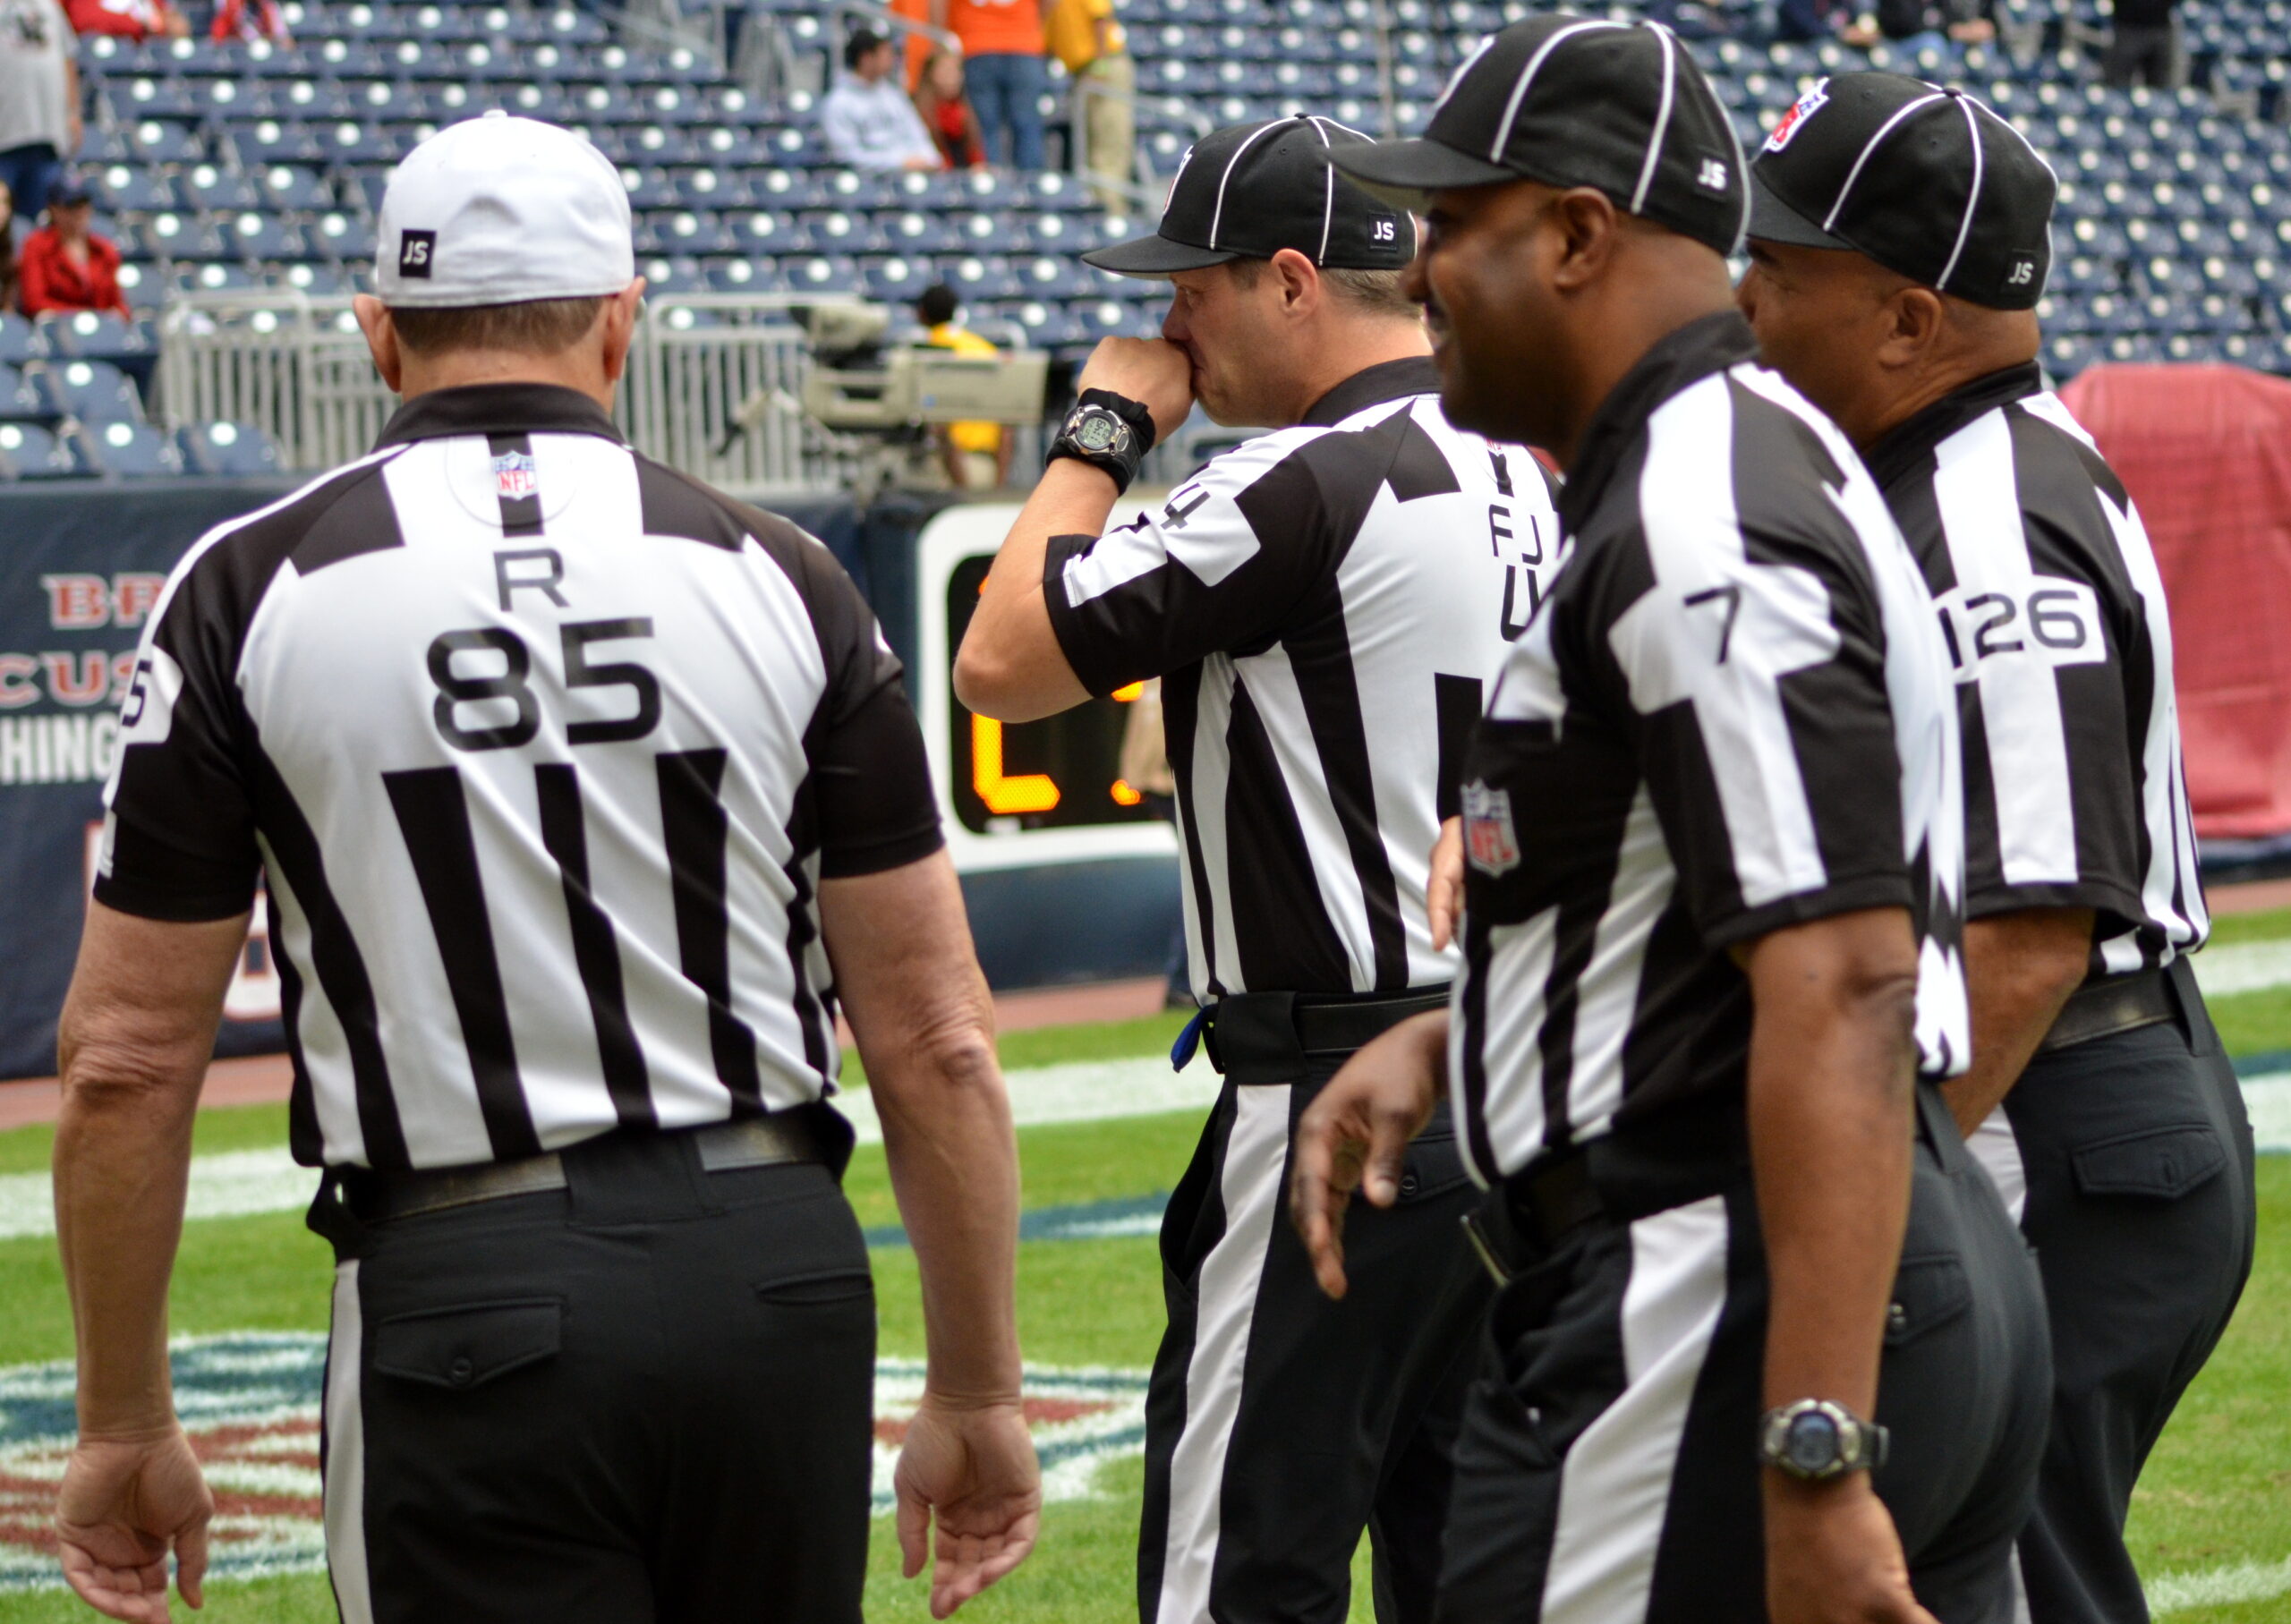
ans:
(505, 237)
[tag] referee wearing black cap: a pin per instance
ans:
(1714, 848)
(1324, 605)
(1898, 246)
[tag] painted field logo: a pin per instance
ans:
(250, 1405)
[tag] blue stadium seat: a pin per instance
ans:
(677, 273)
(914, 232)
(159, 140)
(709, 187)
(30, 452)
(823, 274)
(132, 188)
(136, 451)
(746, 276)
(980, 278)
(837, 231)
(25, 397)
(685, 232)
(217, 276)
(1056, 276)
(768, 232)
(96, 392)
(315, 278)
(253, 235)
(158, 96)
(184, 236)
(97, 336)
(897, 280)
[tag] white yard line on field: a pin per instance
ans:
(2218, 1586)
(2248, 967)
(236, 1183)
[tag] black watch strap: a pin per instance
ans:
(1119, 460)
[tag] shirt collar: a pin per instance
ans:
(1912, 442)
(1372, 386)
(497, 409)
(1676, 361)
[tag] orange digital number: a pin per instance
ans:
(1026, 792)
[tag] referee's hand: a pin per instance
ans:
(1151, 372)
(1355, 1135)
(123, 1505)
(974, 1467)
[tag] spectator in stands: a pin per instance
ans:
(65, 265)
(1811, 21)
(39, 100)
(868, 121)
(946, 112)
(250, 20)
(1084, 35)
(130, 19)
(1914, 26)
(977, 456)
(1002, 64)
(2144, 46)
(7, 249)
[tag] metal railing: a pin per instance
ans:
(713, 385)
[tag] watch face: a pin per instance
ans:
(1096, 432)
(1812, 1444)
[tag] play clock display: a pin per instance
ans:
(1022, 793)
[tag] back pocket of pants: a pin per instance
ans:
(1929, 1292)
(470, 1345)
(815, 1290)
(2161, 1163)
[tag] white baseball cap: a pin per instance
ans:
(502, 210)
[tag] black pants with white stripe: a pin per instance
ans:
(1279, 1423)
(645, 1397)
(1607, 1472)
(2128, 1161)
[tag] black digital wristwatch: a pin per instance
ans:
(1106, 430)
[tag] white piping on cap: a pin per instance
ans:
(1829, 221)
(1973, 198)
(1328, 192)
(1662, 115)
(1527, 78)
(1217, 215)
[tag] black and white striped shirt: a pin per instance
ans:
(1731, 716)
(542, 749)
(1325, 606)
(2055, 615)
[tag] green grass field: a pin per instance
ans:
(2216, 1493)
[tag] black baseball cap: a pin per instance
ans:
(1927, 181)
(1577, 101)
(69, 191)
(1248, 190)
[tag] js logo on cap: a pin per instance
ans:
(2024, 273)
(1807, 105)
(415, 249)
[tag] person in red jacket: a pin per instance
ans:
(65, 265)
(129, 19)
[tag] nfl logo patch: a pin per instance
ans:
(513, 476)
(1489, 843)
(1806, 106)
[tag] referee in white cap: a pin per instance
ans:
(1899, 243)
(583, 796)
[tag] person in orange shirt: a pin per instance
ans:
(1002, 65)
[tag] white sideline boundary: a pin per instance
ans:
(2226, 1586)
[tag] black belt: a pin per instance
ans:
(1266, 1037)
(2102, 1008)
(752, 1142)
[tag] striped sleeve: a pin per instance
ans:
(1227, 560)
(1753, 655)
(2047, 637)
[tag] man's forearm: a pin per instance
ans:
(2019, 969)
(123, 1160)
(1832, 1124)
(954, 1168)
(1009, 641)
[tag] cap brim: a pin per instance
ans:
(1406, 173)
(1772, 220)
(1155, 256)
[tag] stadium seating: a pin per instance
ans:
(223, 167)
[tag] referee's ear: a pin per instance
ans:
(622, 312)
(381, 337)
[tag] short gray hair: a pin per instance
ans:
(1371, 293)
(536, 326)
